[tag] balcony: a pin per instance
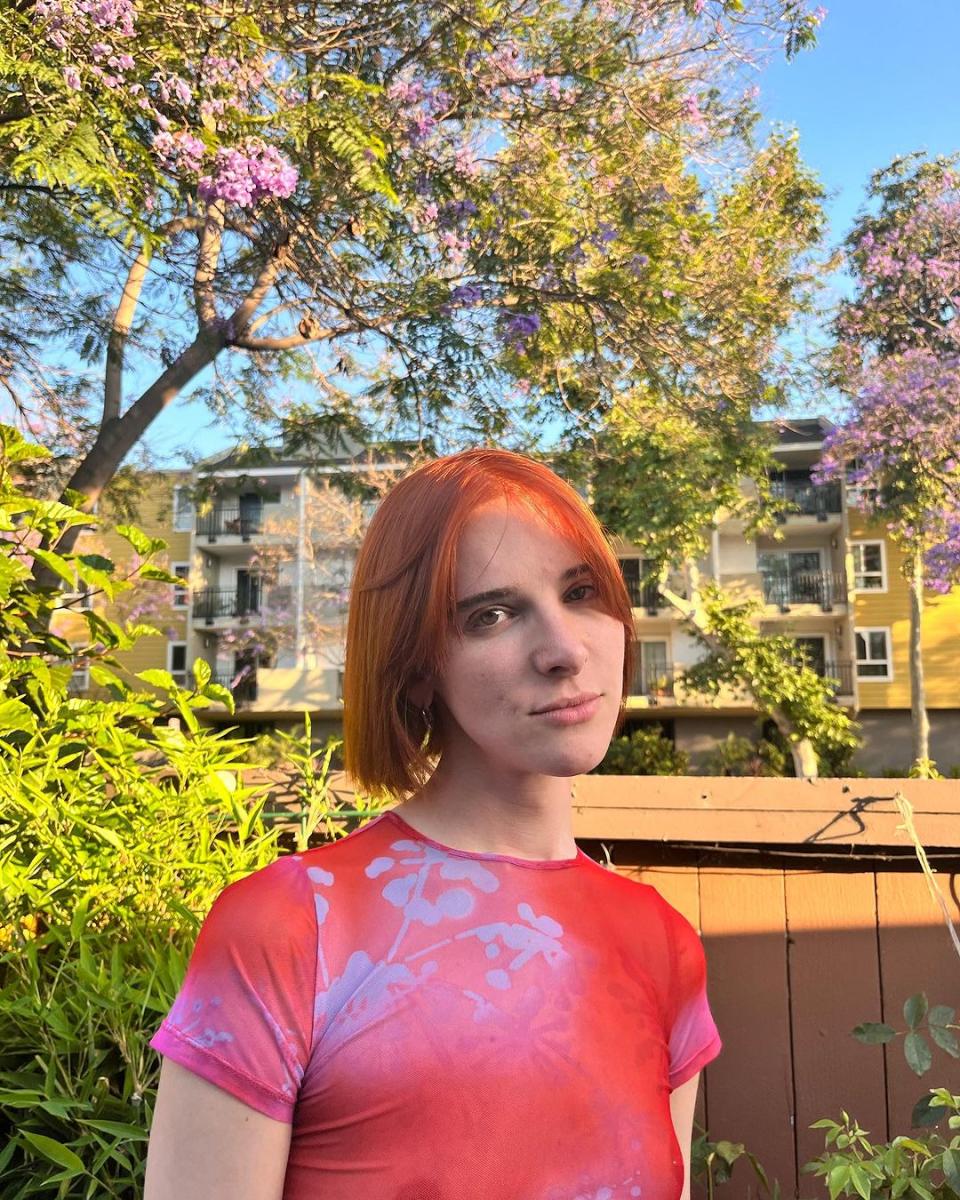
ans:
(806, 499)
(209, 604)
(239, 521)
(840, 673)
(242, 685)
(644, 595)
(825, 588)
(653, 681)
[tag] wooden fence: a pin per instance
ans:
(815, 917)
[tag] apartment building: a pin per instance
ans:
(266, 554)
(265, 548)
(833, 584)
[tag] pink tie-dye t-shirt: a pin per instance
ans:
(444, 1025)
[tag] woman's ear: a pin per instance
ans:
(421, 693)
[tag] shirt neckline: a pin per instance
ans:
(537, 864)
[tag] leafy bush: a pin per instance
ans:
(644, 751)
(737, 755)
(122, 819)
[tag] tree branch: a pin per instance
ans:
(208, 255)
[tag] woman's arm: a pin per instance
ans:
(207, 1145)
(683, 1100)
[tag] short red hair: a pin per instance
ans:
(403, 600)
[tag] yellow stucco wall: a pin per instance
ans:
(155, 518)
(940, 631)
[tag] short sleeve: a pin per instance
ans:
(243, 1019)
(693, 1038)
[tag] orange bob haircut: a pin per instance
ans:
(403, 601)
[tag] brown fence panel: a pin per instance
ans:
(750, 1087)
(680, 886)
(834, 985)
(916, 955)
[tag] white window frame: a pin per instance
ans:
(178, 512)
(180, 596)
(864, 630)
(869, 591)
(80, 679)
(171, 646)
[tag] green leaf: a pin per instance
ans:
(159, 678)
(951, 1168)
(201, 673)
(921, 1191)
(946, 1039)
(860, 1180)
(216, 691)
(915, 1009)
(874, 1033)
(59, 566)
(941, 1014)
(54, 1152)
(149, 571)
(14, 714)
(189, 716)
(926, 1112)
(837, 1180)
(917, 1053)
(144, 545)
(96, 562)
(119, 1129)
(106, 678)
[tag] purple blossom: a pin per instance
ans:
(71, 77)
(244, 177)
(518, 328)
(466, 294)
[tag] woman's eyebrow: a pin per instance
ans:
(509, 593)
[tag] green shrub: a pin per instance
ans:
(737, 755)
(122, 819)
(644, 751)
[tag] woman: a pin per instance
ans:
(452, 1003)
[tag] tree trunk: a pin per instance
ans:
(805, 765)
(918, 698)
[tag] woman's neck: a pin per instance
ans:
(524, 818)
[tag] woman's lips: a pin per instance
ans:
(573, 715)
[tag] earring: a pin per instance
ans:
(427, 716)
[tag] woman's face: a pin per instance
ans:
(541, 640)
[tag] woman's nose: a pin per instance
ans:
(560, 647)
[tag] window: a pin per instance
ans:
(873, 654)
(177, 662)
(80, 679)
(869, 568)
(182, 510)
(652, 669)
(181, 595)
(78, 598)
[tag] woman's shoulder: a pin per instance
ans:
(292, 879)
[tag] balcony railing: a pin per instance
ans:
(210, 603)
(219, 522)
(840, 673)
(807, 499)
(644, 595)
(652, 681)
(825, 588)
(241, 684)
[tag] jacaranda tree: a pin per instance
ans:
(897, 355)
(460, 220)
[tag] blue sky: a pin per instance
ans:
(884, 80)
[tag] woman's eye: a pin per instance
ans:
(479, 622)
(581, 587)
